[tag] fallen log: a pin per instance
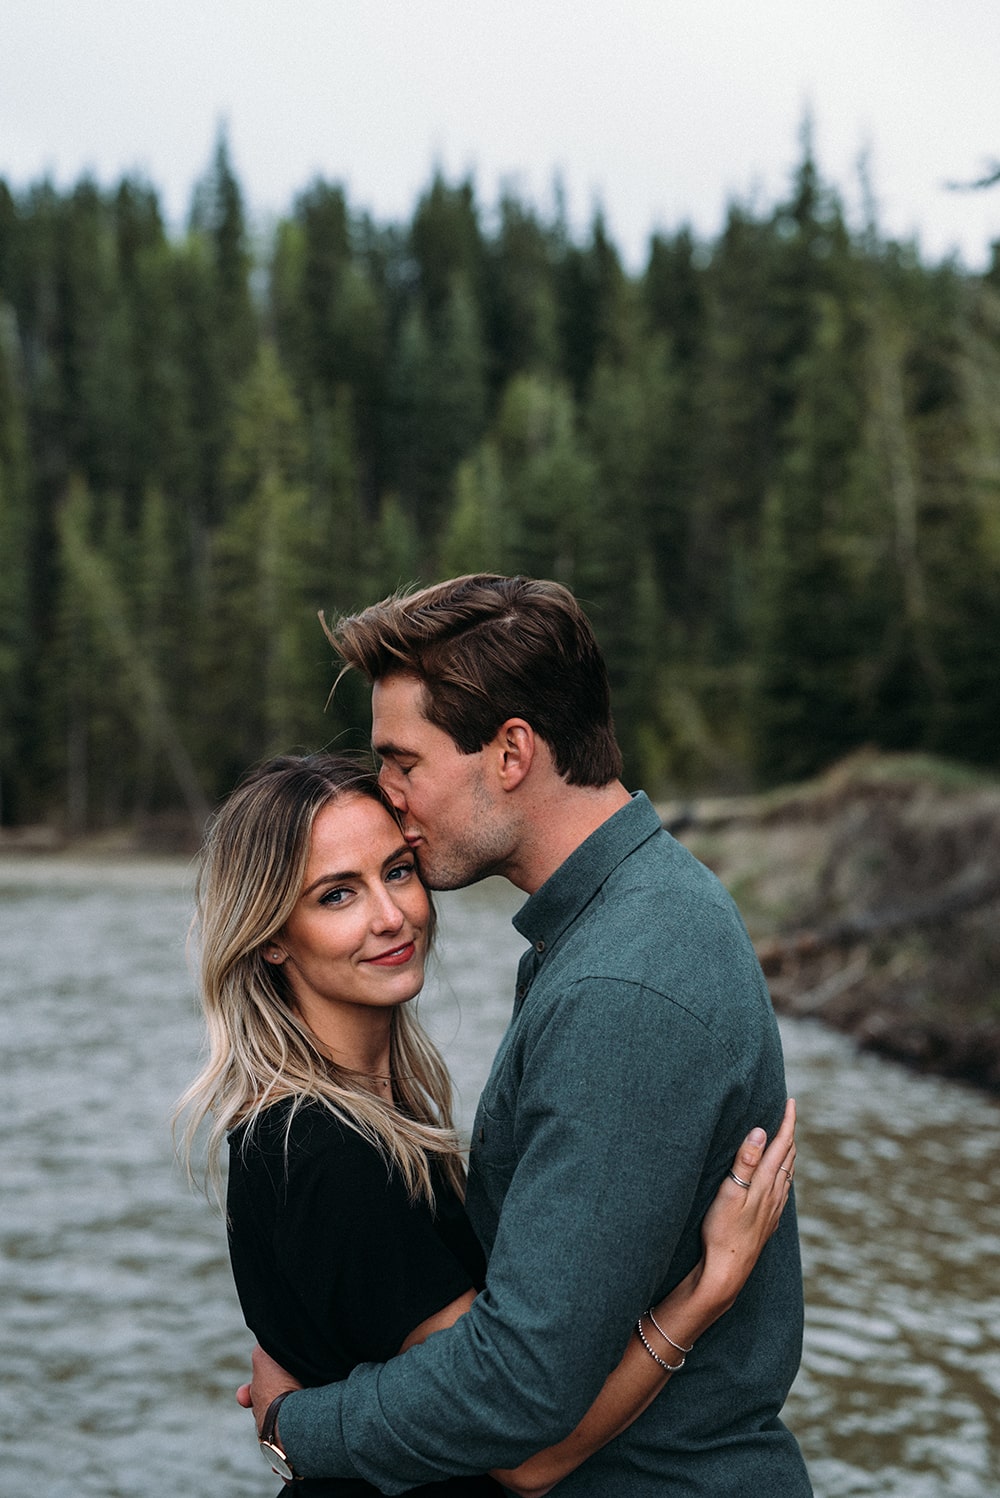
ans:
(961, 897)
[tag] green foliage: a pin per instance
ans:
(475, 539)
(769, 466)
(16, 538)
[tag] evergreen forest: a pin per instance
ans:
(768, 464)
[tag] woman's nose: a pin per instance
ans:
(387, 916)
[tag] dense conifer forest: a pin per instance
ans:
(769, 464)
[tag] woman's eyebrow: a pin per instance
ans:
(402, 851)
(331, 879)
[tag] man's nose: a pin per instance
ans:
(392, 790)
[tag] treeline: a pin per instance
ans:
(769, 464)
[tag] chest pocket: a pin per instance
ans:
(493, 1138)
(493, 1156)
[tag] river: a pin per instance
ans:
(122, 1341)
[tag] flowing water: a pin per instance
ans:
(121, 1339)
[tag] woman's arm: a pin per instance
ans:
(736, 1227)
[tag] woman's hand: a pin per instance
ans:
(746, 1210)
(742, 1217)
(269, 1380)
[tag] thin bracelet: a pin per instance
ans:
(670, 1367)
(663, 1334)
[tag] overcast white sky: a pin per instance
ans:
(664, 112)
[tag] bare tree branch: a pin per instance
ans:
(991, 178)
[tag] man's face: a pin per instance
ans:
(452, 810)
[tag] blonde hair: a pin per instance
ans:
(259, 1050)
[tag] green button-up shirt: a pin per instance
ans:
(642, 1049)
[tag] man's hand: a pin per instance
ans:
(269, 1380)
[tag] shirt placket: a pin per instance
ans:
(527, 971)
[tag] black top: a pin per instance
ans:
(334, 1266)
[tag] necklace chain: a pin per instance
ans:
(375, 1076)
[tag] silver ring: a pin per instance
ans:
(734, 1177)
(788, 1173)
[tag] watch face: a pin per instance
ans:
(276, 1461)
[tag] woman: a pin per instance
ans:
(346, 1231)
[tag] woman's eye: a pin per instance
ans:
(401, 872)
(334, 896)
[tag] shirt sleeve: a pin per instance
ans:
(606, 1148)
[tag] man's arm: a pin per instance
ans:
(742, 1217)
(612, 1128)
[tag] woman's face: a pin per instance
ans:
(357, 938)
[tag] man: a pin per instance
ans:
(642, 1048)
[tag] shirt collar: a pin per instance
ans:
(546, 914)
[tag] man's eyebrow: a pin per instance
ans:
(390, 751)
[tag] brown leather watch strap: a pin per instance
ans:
(269, 1442)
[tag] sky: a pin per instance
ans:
(661, 113)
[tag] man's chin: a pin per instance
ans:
(442, 877)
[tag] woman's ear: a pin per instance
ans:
(274, 954)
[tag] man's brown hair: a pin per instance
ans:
(489, 648)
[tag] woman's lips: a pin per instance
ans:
(395, 957)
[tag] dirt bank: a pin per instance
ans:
(873, 897)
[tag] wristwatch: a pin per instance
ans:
(269, 1445)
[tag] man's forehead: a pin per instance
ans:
(398, 717)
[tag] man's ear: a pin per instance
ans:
(516, 746)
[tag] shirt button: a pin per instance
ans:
(539, 946)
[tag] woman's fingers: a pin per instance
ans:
(778, 1156)
(751, 1199)
(748, 1157)
(788, 1163)
(749, 1153)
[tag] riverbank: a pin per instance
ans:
(873, 898)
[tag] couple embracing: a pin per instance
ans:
(611, 1300)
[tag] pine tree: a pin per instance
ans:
(439, 406)
(474, 538)
(589, 281)
(218, 324)
(522, 316)
(17, 635)
(446, 243)
(264, 661)
(217, 217)
(549, 482)
(817, 605)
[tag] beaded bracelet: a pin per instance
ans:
(670, 1367)
(663, 1334)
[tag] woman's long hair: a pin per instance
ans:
(259, 1050)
